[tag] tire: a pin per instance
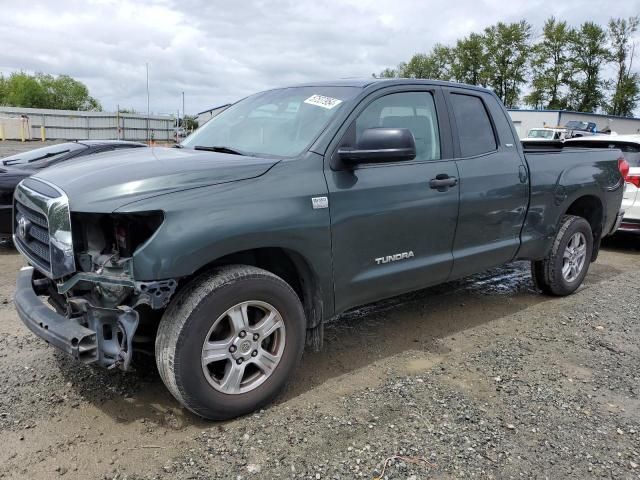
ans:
(548, 274)
(206, 308)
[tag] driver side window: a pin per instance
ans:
(415, 111)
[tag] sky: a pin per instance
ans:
(220, 51)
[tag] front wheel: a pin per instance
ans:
(566, 265)
(229, 341)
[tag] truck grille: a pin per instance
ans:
(43, 242)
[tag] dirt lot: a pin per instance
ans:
(478, 378)
(481, 378)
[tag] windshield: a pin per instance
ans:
(539, 133)
(279, 122)
(48, 153)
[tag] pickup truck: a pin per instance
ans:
(225, 255)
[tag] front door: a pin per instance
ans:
(392, 226)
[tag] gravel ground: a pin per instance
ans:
(480, 378)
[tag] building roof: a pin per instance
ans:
(601, 115)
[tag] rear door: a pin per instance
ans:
(391, 231)
(494, 190)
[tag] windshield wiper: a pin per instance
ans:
(19, 161)
(220, 149)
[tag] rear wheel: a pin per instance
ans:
(564, 269)
(228, 342)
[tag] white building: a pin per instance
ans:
(525, 120)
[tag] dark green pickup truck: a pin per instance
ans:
(224, 255)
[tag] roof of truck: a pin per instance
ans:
(367, 82)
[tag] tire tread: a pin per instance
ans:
(175, 319)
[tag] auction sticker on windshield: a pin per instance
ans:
(322, 101)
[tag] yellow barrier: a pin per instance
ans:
(2, 132)
(43, 135)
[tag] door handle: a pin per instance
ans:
(522, 173)
(443, 182)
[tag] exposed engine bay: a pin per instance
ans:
(102, 295)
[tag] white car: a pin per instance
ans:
(546, 133)
(630, 147)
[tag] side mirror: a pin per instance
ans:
(381, 145)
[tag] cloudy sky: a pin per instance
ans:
(218, 51)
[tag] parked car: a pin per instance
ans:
(17, 167)
(577, 128)
(288, 208)
(546, 133)
(629, 145)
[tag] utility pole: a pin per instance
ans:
(184, 114)
(148, 109)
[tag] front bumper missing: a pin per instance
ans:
(96, 335)
(61, 332)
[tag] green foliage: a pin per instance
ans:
(435, 65)
(562, 70)
(468, 60)
(589, 54)
(387, 73)
(189, 122)
(507, 50)
(551, 65)
(626, 93)
(45, 91)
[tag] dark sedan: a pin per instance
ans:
(17, 167)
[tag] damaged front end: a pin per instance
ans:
(83, 263)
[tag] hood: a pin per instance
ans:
(104, 182)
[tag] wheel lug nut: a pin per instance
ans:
(255, 337)
(232, 348)
(239, 361)
(254, 353)
(242, 334)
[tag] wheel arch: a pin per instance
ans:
(289, 265)
(590, 208)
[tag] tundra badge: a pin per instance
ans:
(394, 258)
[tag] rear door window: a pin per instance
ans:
(474, 125)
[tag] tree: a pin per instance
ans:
(627, 84)
(387, 73)
(468, 60)
(507, 50)
(551, 67)
(435, 65)
(46, 91)
(589, 51)
(22, 90)
(190, 123)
